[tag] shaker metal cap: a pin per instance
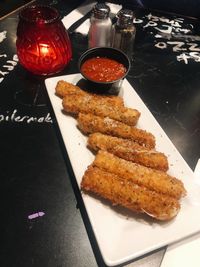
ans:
(125, 17)
(101, 11)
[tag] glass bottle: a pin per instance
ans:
(123, 35)
(100, 26)
(43, 44)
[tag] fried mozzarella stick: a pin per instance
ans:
(128, 150)
(102, 107)
(155, 180)
(64, 88)
(127, 194)
(90, 123)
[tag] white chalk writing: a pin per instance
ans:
(167, 29)
(185, 56)
(150, 24)
(14, 63)
(161, 45)
(10, 64)
(177, 46)
(181, 30)
(174, 22)
(2, 36)
(12, 116)
(8, 67)
(136, 20)
(193, 47)
(3, 73)
(173, 34)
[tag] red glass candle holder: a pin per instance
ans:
(43, 44)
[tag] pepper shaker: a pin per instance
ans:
(124, 31)
(100, 26)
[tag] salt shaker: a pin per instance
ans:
(123, 35)
(100, 26)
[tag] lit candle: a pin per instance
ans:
(43, 48)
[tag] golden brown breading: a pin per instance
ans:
(158, 181)
(127, 194)
(103, 107)
(128, 150)
(64, 88)
(90, 123)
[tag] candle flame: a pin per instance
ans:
(44, 49)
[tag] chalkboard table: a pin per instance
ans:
(44, 222)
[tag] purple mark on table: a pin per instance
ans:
(36, 215)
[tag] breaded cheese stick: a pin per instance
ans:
(128, 150)
(155, 180)
(124, 193)
(64, 88)
(90, 123)
(102, 107)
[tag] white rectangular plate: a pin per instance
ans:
(122, 238)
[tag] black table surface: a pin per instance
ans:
(35, 173)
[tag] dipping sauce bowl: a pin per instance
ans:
(104, 69)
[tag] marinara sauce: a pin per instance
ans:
(102, 69)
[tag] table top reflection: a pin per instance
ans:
(44, 219)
